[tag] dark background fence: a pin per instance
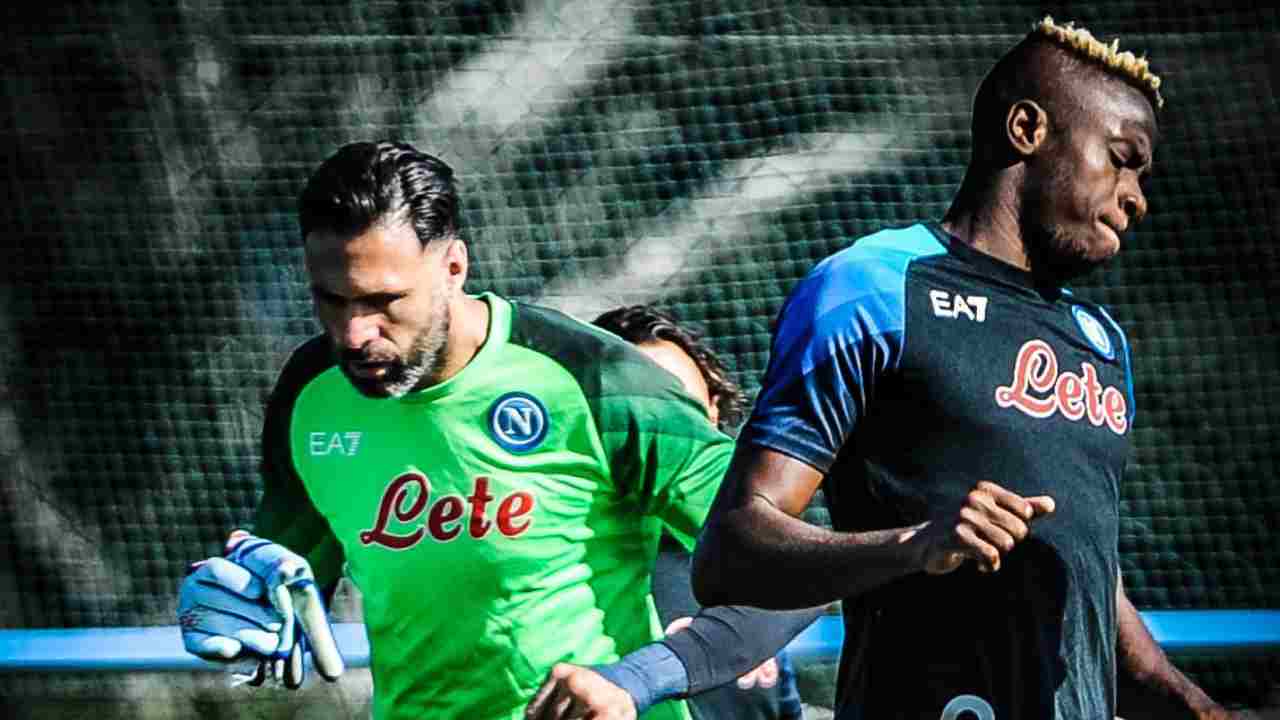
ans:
(699, 155)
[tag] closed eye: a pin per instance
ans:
(1135, 161)
(380, 300)
(324, 296)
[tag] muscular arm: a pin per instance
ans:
(1139, 656)
(754, 549)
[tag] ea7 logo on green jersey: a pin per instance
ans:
(407, 499)
(320, 444)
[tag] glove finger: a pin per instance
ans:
(283, 602)
(215, 609)
(259, 675)
(211, 647)
(223, 638)
(295, 667)
(309, 607)
(207, 575)
(233, 577)
(207, 611)
(258, 641)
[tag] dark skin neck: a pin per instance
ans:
(984, 215)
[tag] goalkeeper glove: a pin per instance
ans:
(261, 602)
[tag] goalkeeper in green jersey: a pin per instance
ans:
(493, 475)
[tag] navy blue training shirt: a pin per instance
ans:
(909, 367)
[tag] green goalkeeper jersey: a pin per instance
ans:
(499, 522)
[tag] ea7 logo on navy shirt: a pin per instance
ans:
(1039, 390)
(947, 305)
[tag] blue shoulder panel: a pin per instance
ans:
(841, 327)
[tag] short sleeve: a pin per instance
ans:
(663, 451)
(285, 513)
(839, 332)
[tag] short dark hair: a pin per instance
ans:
(366, 183)
(1038, 67)
(642, 323)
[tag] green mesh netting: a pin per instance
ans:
(700, 155)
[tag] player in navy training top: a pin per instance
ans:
(956, 403)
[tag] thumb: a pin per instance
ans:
(677, 625)
(1041, 505)
(318, 631)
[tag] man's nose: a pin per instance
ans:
(358, 328)
(1134, 204)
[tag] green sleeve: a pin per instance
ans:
(285, 513)
(663, 450)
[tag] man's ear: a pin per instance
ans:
(456, 261)
(713, 410)
(1026, 126)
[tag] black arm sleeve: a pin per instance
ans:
(723, 642)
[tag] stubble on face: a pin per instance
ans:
(417, 368)
(1056, 249)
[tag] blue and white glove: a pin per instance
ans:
(259, 603)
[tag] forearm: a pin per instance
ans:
(723, 643)
(756, 554)
(649, 675)
(1140, 656)
(719, 645)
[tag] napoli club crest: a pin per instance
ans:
(518, 422)
(1094, 332)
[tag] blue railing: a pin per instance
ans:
(160, 648)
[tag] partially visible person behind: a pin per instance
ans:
(769, 691)
(969, 420)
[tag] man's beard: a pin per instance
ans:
(1055, 253)
(420, 367)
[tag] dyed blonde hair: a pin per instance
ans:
(1125, 64)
